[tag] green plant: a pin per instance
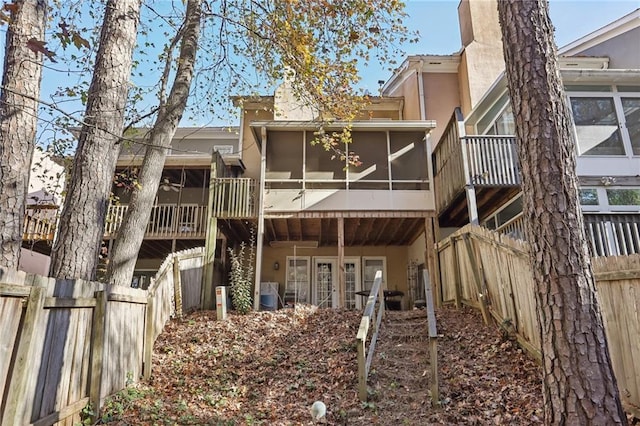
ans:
(241, 275)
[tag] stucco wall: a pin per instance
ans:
(409, 91)
(442, 95)
(623, 51)
(33, 262)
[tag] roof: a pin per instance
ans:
(379, 125)
(609, 31)
(424, 63)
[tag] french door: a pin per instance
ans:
(325, 274)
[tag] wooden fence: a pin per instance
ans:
(67, 344)
(490, 271)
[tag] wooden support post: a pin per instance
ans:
(210, 240)
(221, 303)
(431, 253)
(149, 334)
(478, 278)
(260, 233)
(342, 286)
(17, 386)
(177, 286)
(433, 342)
(456, 273)
(97, 351)
(362, 357)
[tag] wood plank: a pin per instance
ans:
(126, 298)
(14, 290)
(177, 286)
(97, 350)
(67, 411)
(15, 400)
(66, 302)
(478, 279)
(617, 275)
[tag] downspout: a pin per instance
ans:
(423, 112)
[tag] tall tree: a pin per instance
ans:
(75, 252)
(131, 233)
(578, 381)
(18, 118)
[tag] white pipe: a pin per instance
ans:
(423, 112)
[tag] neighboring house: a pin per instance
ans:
(324, 228)
(475, 165)
(44, 199)
(179, 216)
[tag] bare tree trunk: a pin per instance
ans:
(18, 121)
(131, 233)
(578, 382)
(75, 253)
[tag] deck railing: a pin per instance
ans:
(166, 221)
(366, 357)
(492, 160)
(607, 234)
(40, 223)
(461, 160)
(234, 198)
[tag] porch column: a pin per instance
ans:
(342, 288)
(260, 233)
(469, 189)
(206, 296)
(430, 233)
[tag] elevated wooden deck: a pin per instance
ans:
(488, 165)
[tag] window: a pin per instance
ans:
(631, 108)
(504, 124)
(371, 265)
(623, 197)
(589, 197)
(607, 119)
(597, 127)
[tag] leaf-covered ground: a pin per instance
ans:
(269, 367)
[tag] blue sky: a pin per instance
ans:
(437, 22)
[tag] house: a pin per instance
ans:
(476, 173)
(324, 227)
(44, 200)
(179, 217)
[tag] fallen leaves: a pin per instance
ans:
(269, 367)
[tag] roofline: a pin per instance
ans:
(610, 76)
(424, 63)
(609, 31)
(408, 125)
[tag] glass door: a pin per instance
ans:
(297, 285)
(325, 282)
(352, 283)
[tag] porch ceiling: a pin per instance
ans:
(488, 200)
(358, 231)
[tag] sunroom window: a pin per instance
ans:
(607, 119)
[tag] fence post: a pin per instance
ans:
(362, 358)
(433, 342)
(148, 337)
(177, 285)
(456, 273)
(97, 351)
(14, 408)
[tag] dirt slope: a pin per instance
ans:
(269, 367)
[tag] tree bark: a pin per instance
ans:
(122, 259)
(75, 252)
(578, 381)
(18, 121)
